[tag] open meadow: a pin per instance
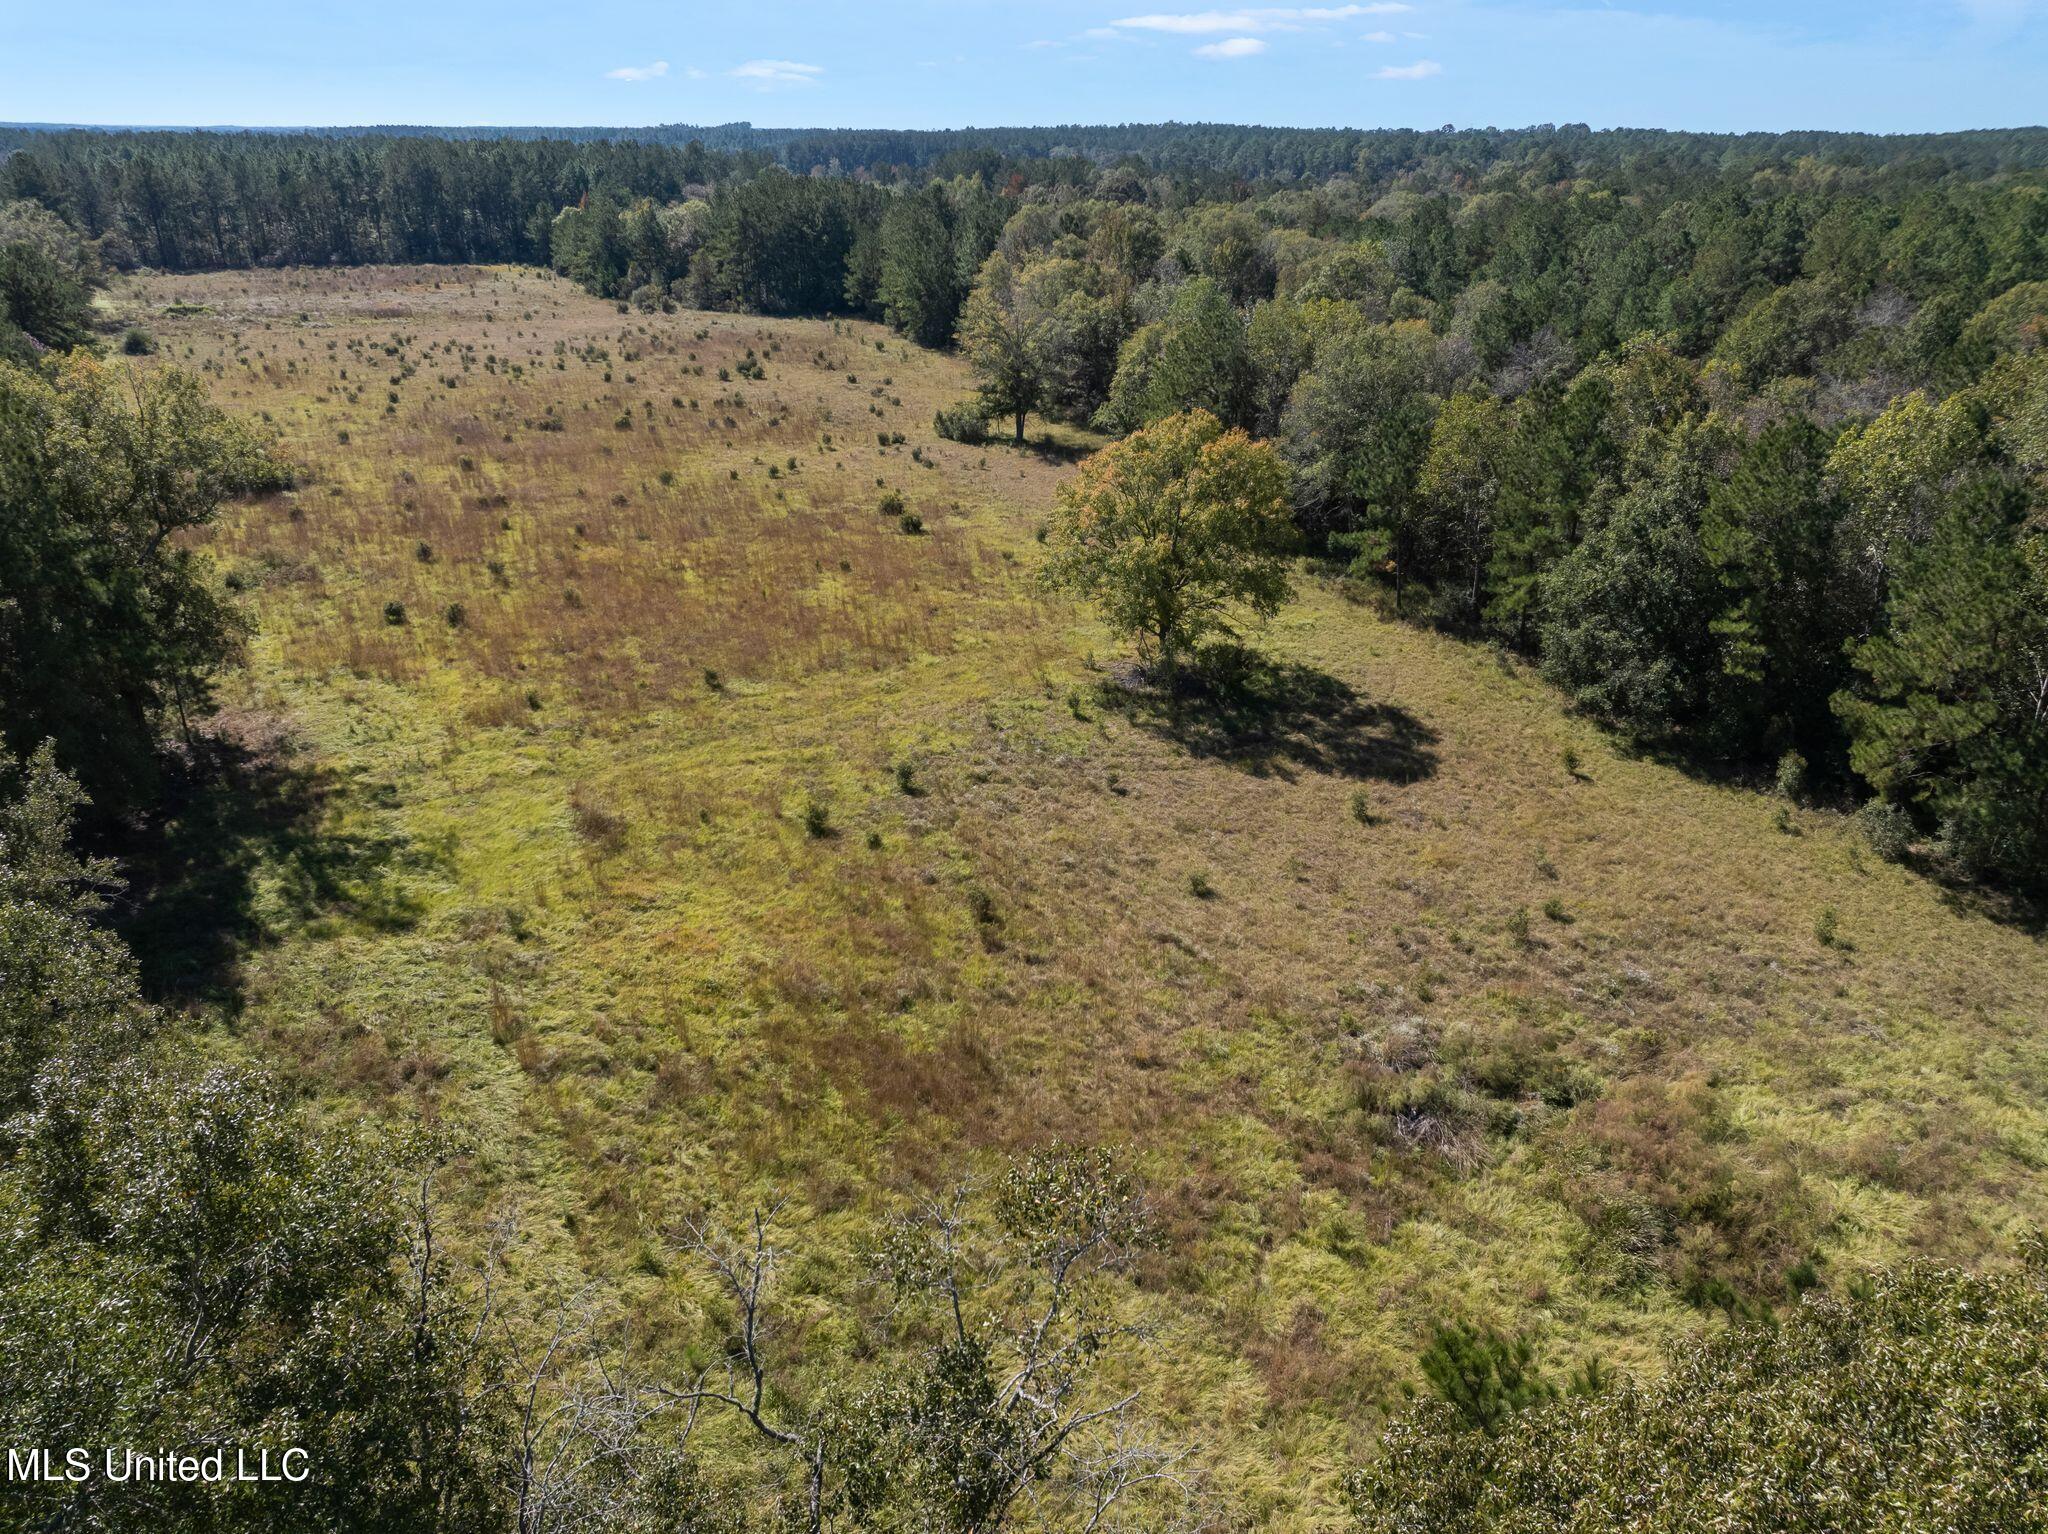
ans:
(658, 769)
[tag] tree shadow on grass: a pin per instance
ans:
(1277, 719)
(244, 846)
(2023, 909)
(1061, 450)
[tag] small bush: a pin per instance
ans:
(394, 613)
(1887, 828)
(906, 779)
(1827, 928)
(138, 342)
(817, 819)
(965, 422)
(1361, 807)
(456, 614)
(1200, 887)
(912, 523)
(891, 504)
(1791, 776)
(1518, 926)
(1482, 1376)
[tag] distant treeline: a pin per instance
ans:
(1247, 151)
(201, 200)
(197, 201)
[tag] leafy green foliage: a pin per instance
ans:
(108, 622)
(1004, 336)
(931, 243)
(1357, 431)
(1770, 532)
(1627, 613)
(1194, 358)
(43, 306)
(1172, 528)
(1915, 1401)
(1953, 718)
(186, 1263)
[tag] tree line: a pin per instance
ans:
(204, 201)
(1754, 474)
(1240, 150)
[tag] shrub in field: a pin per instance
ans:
(965, 421)
(1887, 828)
(1791, 776)
(1482, 1376)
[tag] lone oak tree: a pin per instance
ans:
(1173, 527)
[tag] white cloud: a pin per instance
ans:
(1232, 48)
(652, 71)
(1257, 19)
(1421, 69)
(768, 74)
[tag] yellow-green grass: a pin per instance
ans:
(578, 914)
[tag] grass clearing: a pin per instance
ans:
(566, 806)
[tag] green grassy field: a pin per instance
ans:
(615, 784)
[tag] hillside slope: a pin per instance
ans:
(615, 783)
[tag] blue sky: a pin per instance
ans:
(1883, 65)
